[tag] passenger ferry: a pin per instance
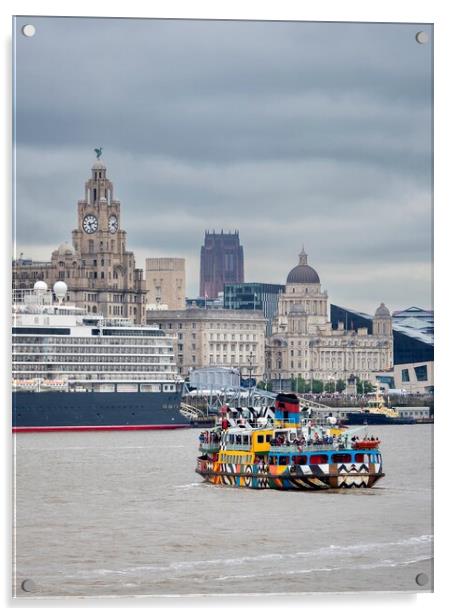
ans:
(279, 450)
(73, 370)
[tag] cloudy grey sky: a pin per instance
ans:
(294, 133)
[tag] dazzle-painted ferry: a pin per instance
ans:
(73, 370)
(276, 448)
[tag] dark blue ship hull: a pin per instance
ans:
(51, 410)
(376, 419)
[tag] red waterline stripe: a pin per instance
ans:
(91, 428)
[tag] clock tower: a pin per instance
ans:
(113, 285)
(98, 269)
(98, 217)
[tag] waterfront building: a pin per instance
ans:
(215, 303)
(416, 319)
(221, 262)
(413, 346)
(165, 282)
(97, 267)
(306, 344)
(206, 337)
(254, 296)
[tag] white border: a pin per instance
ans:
(434, 11)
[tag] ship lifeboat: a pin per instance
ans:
(366, 444)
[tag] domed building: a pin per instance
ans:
(305, 345)
(303, 273)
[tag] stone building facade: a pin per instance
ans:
(165, 282)
(98, 269)
(205, 337)
(305, 345)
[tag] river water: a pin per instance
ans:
(124, 513)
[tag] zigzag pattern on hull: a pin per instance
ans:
(351, 482)
(314, 477)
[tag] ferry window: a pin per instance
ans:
(268, 438)
(238, 439)
(246, 439)
(299, 459)
(319, 459)
(342, 457)
(260, 438)
(359, 457)
(283, 459)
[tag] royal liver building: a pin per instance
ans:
(98, 269)
(304, 344)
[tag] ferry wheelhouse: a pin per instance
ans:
(277, 449)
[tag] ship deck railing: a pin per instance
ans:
(306, 448)
(275, 449)
(209, 447)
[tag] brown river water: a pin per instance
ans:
(124, 513)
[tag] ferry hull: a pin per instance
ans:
(86, 411)
(302, 477)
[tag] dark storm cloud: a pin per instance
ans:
(292, 133)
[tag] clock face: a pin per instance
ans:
(112, 224)
(90, 223)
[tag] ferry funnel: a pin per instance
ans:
(287, 409)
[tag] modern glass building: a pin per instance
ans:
(254, 296)
(412, 344)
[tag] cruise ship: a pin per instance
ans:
(73, 370)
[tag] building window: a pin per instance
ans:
(421, 372)
(405, 376)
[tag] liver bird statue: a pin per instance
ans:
(98, 152)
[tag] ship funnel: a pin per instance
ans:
(287, 409)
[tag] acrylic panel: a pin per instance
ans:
(222, 307)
